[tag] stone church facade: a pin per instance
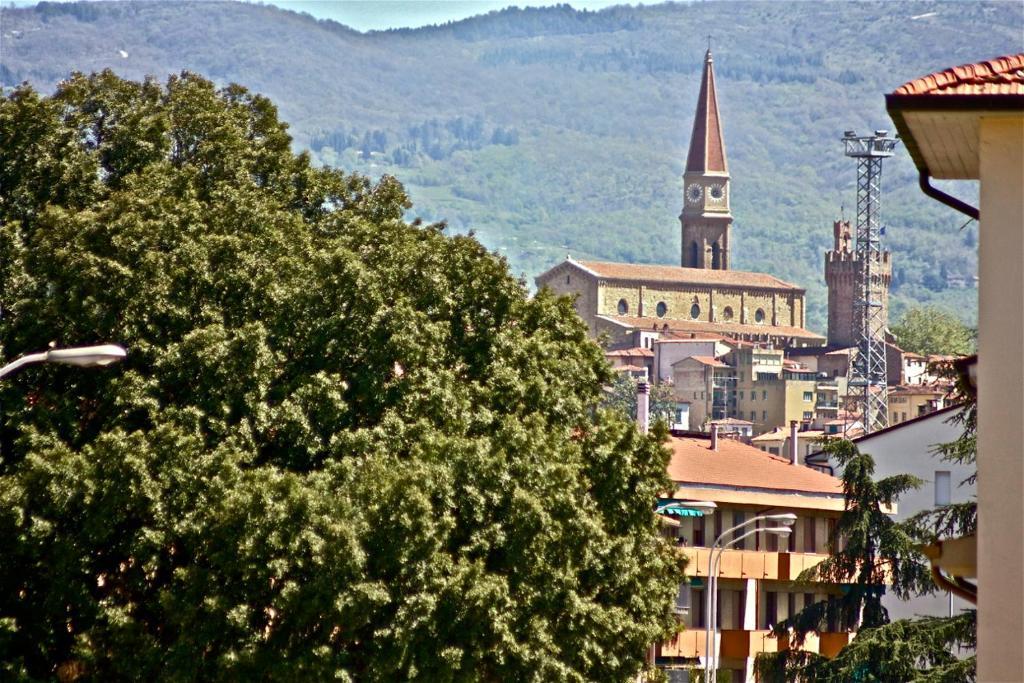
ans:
(703, 294)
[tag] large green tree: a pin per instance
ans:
(341, 447)
(931, 330)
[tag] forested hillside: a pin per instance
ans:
(553, 131)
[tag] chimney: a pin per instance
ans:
(642, 405)
(793, 443)
(714, 437)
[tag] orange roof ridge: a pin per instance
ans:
(998, 76)
(651, 271)
(674, 325)
(707, 147)
(737, 465)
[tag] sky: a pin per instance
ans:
(368, 15)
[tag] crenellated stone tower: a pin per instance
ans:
(841, 269)
(706, 218)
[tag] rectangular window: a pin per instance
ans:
(771, 609)
(718, 526)
(904, 417)
(773, 450)
(791, 541)
(942, 487)
(753, 416)
(808, 415)
(698, 531)
(753, 395)
(808, 599)
(739, 517)
(764, 415)
(790, 604)
(772, 543)
(698, 609)
(764, 395)
(808, 396)
(810, 542)
(832, 532)
(741, 394)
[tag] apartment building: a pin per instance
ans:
(908, 401)
(756, 577)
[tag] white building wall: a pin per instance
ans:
(908, 448)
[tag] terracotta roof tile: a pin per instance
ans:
(635, 351)
(737, 465)
(707, 147)
(679, 275)
(999, 76)
(683, 326)
(707, 360)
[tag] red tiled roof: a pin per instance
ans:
(999, 76)
(708, 360)
(731, 421)
(635, 351)
(679, 275)
(707, 147)
(677, 326)
(738, 465)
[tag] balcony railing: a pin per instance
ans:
(740, 644)
(751, 564)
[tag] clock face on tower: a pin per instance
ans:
(694, 193)
(716, 192)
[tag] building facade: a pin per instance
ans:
(757, 585)
(703, 294)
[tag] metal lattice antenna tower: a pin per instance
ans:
(868, 379)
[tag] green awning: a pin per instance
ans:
(666, 507)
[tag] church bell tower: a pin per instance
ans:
(706, 218)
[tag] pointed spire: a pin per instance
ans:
(707, 148)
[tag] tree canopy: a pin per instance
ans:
(930, 330)
(341, 446)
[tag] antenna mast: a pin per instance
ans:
(868, 380)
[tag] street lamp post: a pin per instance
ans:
(785, 521)
(83, 356)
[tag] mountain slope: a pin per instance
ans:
(550, 130)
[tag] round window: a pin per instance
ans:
(759, 315)
(661, 309)
(623, 307)
(695, 311)
(727, 313)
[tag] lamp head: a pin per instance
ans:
(785, 519)
(87, 356)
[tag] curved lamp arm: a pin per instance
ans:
(82, 356)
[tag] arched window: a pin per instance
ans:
(623, 307)
(694, 255)
(716, 256)
(727, 313)
(695, 311)
(661, 309)
(759, 315)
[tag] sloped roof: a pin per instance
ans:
(673, 325)
(782, 433)
(679, 275)
(736, 465)
(627, 353)
(707, 146)
(704, 360)
(999, 76)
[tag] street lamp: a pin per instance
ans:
(784, 521)
(83, 356)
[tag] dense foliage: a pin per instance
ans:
(341, 447)
(620, 396)
(592, 113)
(930, 330)
(884, 555)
